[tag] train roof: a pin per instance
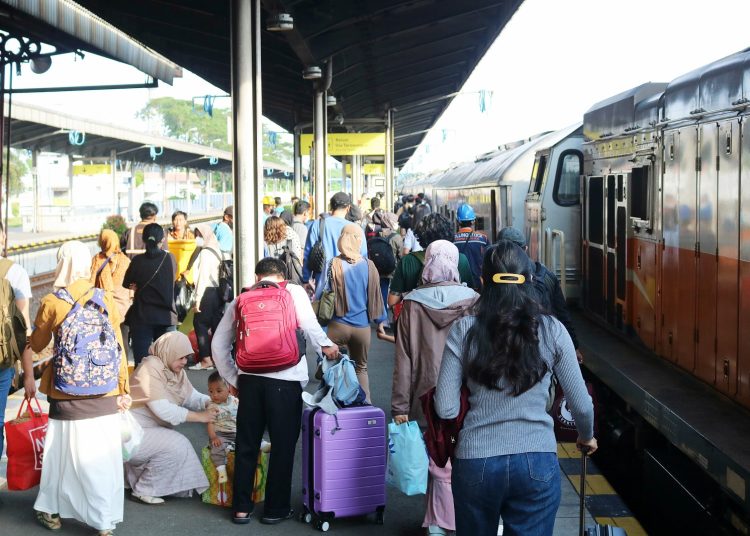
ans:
(490, 168)
(616, 114)
(722, 85)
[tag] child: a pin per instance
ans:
(223, 429)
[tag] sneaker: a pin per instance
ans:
(241, 520)
(198, 366)
(275, 520)
(265, 446)
(147, 499)
(221, 471)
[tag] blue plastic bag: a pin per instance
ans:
(408, 462)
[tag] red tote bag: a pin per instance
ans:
(25, 436)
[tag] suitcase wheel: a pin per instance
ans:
(379, 517)
(322, 526)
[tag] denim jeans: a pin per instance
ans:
(6, 377)
(141, 337)
(523, 488)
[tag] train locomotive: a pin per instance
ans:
(643, 213)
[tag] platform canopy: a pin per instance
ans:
(400, 54)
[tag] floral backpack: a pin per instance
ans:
(87, 355)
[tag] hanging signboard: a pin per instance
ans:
(348, 144)
(368, 169)
(92, 169)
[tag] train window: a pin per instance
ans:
(537, 173)
(568, 178)
(639, 194)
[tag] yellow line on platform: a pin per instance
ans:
(630, 524)
(595, 485)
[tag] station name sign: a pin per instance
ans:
(92, 169)
(348, 144)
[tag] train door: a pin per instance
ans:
(670, 265)
(642, 300)
(706, 253)
(743, 365)
(683, 154)
(534, 213)
(561, 206)
(594, 244)
(728, 240)
(616, 217)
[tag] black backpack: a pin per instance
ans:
(226, 277)
(316, 260)
(380, 252)
(292, 264)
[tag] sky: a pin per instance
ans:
(552, 62)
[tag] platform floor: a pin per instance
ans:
(403, 515)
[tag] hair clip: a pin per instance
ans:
(516, 279)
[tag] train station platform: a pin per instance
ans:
(403, 515)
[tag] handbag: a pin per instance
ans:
(131, 433)
(441, 436)
(183, 297)
(25, 436)
(324, 307)
(408, 464)
(316, 259)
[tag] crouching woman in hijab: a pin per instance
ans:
(356, 284)
(165, 463)
(82, 462)
(429, 312)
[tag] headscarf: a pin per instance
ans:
(388, 220)
(110, 277)
(73, 263)
(154, 380)
(441, 263)
(209, 238)
(350, 243)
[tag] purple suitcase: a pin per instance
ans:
(343, 464)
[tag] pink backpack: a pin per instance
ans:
(268, 336)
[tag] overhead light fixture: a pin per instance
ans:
(280, 22)
(312, 72)
(41, 64)
(331, 100)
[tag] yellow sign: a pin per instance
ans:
(92, 169)
(347, 144)
(368, 169)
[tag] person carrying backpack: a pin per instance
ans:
(268, 374)
(207, 303)
(409, 270)
(385, 249)
(282, 242)
(15, 294)
(470, 242)
(82, 476)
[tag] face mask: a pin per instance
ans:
(199, 241)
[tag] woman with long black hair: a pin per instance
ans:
(151, 276)
(506, 457)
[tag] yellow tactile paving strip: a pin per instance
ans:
(597, 485)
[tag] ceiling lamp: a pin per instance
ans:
(41, 64)
(280, 22)
(331, 100)
(312, 73)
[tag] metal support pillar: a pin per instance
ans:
(113, 160)
(320, 147)
(35, 190)
(357, 180)
(188, 197)
(248, 139)
(297, 164)
(389, 159)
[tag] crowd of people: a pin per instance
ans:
(460, 309)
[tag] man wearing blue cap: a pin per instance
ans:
(470, 242)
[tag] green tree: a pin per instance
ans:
(278, 147)
(18, 168)
(179, 119)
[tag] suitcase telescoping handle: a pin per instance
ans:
(582, 493)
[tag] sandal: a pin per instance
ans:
(241, 519)
(49, 521)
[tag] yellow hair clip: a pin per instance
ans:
(515, 279)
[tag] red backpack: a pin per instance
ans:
(268, 337)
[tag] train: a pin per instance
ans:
(642, 211)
